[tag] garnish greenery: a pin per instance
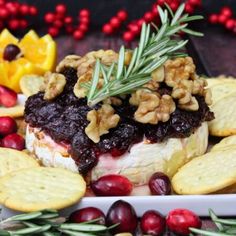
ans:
(49, 223)
(153, 50)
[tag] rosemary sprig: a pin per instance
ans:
(152, 52)
(48, 223)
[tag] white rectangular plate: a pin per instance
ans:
(222, 204)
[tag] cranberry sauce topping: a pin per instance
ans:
(64, 119)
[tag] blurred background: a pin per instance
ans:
(214, 54)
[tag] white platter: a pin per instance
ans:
(223, 204)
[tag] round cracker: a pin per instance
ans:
(225, 143)
(219, 80)
(224, 123)
(222, 90)
(41, 188)
(31, 84)
(16, 111)
(12, 160)
(206, 174)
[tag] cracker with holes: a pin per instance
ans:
(224, 123)
(12, 160)
(206, 174)
(41, 188)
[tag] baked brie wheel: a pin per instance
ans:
(137, 164)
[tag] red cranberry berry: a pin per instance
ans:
(11, 52)
(189, 8)
(195, 3)
(78, 34)
(68, 20)
(84, 13)
(107, 29)
(174, 6)
(49, 17)
(122, 15)
(152, 223)
(69, 29)
(87, 214)
(148, 16)
(8, 97)
(61, 9)
(160, 184)
(222, 19)
(180, 220)
(7, 125)
(3, 13)
(213, 18)
(226, 11)
(128, 36)
(58, 23)
(53, 31)
(83, 28)
(230, 24)
(14, 24)
(161, 2)
(24, 9)
(140, 22)
(14, 141)
(123, 213)
(112, 185)
(84, 20)
(135, 29)
(33, 11)
(115, 22)
(23, 23)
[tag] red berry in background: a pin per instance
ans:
(161, 2)
(152, 223)
(189, 8)
(12, 8)
(69, 29)
(112, 185)
(115, 22)
(23, 23)
(61, 9)
(140, 22)
(3, 13)
(128, 36)
(87, 214)
(14, 24)
(174, 6)
(84, 13)
(7, 125)
(160, 184)
(180, 220)
(122, 15)
(78, 34)
(33, 11)
(58, 23)
(135, 29)
(226, 11)
(107, 29)
(14, 141)
(195, 2)
(83, 28)
(213, 18)
(49, 17)
(68, 20)
(154, 10)
(123, 213)
(24, 9)
(84, 20)
(8, 97)
(222, 19)
(148, 16)
(53, 31)
(230, 24)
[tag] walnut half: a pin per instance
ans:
(101, 121)
(55, 84)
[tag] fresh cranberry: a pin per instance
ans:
(83, 27)
(160, 184)
(23, 23)
(161, 2)
(222, 19)
(78, 34)
(14, 24)
(135, 29)
(180, 220)
(84, 13)
(14, 141)
(8, 97)
(195, 2)
(115, 22)
(84, 20)
(87, 214)
(213, 18)
(69, 29)
(112, 185)
(189, 8)
(12, 8)
(53, 31)
(140, 22)
(122, 15)
(33, 11)
(174, 6)
(154, 10)
(3, 13)
(24, 9)
(7, 125)
(58, 23)
(49, 17)
(230, 24)
(128, 36)
(11, 52)
(68, 20)
(148, 16)
(122, 213)
(226, 11)
(61, 9)
(107, 29)
(152, 223)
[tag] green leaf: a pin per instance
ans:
(178, 14)
(27, 216)
(83, 227)
(226, 222)
(73, 233)
(169, 10)
(120, 62)
(26, 231)
(4, 233)
(191, 18)
(209, 233)
(192, 32)
(214, 218)
(231, 230)
(48, 216)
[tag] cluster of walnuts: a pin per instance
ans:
(152, 107)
